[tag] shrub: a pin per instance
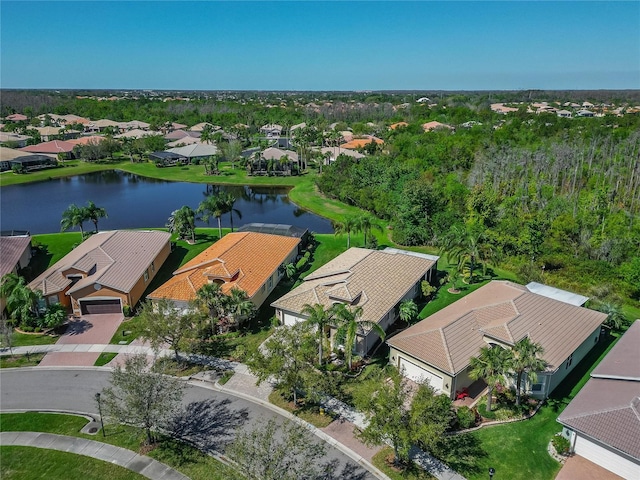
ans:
(126, 310)
(561, 444)
(466, 417)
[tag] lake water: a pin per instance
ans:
(132, 201)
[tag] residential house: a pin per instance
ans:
(431, 126)
(501, 108)
(15, 255)
(29, 163)
(8, 154)
(564, 113)
(53, 148)
(361, 142)
(602, 422)
(178, 134)
(279, 229)
(17, 117)
(439, 348)
(133, 125)
(101, 125)
(394, 126)
(584, 113)
(105, 272)
(137, 133)
(199, 127)
(14, 139)
(195, 150)
(89, 140)
(376, 280)
(271, 130)
(181, 142)
(249, 261)
(168, 159)
(47, 133)
(332, 153)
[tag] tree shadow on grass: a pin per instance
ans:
(333, 470)
(209, 424)
(460, 452)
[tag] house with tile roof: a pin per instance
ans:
(439, 348)
(248, 261)
(54, 147)
(15, 255)
(431, 126)
(376, 280)
(105, 272)
(602, 422)
(361, 142)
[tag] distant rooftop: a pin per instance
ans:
(274, 229)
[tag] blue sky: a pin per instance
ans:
(320, 45)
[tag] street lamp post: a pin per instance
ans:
(492, 471)
(100, 412)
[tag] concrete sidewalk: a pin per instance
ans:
(128, 459)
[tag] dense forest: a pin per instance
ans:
(553, 199)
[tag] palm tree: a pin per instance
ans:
(183, 222)
(319, 318)
(350, 324)
(408, 311)
(228, 201)
(238, 305)
(525, 359)
(210, 297)
(467, 246)
(615, 317)
(490, 365)
(206, 136)
(212, 206)
(290, 270)
(348, 225)
(21, 301)
(73, 216)
(366, 224)
(94, 213)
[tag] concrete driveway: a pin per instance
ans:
(88, 330)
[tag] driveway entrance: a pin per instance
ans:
(88, 329)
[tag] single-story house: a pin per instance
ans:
(178, 134)
(376, 280)
(133, 125)
(332, 154)
(181, 142)
(47, 132)
(584, 113)
(564, 113)
(394, 126)
(17, 117)
(602, 422)
(136, 133)
(249, 261)
(361, 142)
(502, 108)
(89, 140)
(195, 150)
(199, 127)
(29, 163)
(271, 130)
(105, 272)
(8, 154)
(439, 348)
(16, 254)
(54, 147)
(431, 126)
(14, 139)
(100, 125)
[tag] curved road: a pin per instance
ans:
(209, 417)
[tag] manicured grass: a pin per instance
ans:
(15, 361)
(519, 450)
(182, 457)
(127, 332)
(309, 413)
(25, 339)
(50, 247)
(443, 297)
(74, 167)
(18, 463)
(104, 358)
(411, 472)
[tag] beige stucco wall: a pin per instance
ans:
(448, 386)
(264, 291)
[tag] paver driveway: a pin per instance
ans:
(89, 329)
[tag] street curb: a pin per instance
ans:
(316, 431)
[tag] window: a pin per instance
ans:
(264, 287)
(146, 276)
(569, 361)
(153, 267)
(270, 283)
(536, 387)
(53, 300)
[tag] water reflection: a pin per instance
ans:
(132, 201)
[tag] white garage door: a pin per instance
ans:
(606, 459)
(291, 319)
(419, 374)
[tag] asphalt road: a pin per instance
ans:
(209, 417)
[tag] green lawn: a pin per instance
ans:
(15, 361)
(25, 339)
(178, 455)
(50, 248)
(310, 413)
(104, 358)
(412, 472)
(19, 463)
(519, 450)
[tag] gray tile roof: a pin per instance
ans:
(372, 279)
(11, 249)
(502, 310)
(117, 258)
(607, 408)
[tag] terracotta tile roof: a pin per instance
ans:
(118, 259)
(504, 311)
(54, 146)
(427, 127)
(607, 408)
(17, 117)
(361, 142)
(393, 126)
(11, 249)
(93, 139)
(245, 260)
(372, 279)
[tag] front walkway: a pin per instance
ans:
(128, 459)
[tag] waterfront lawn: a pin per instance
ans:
(519, 450)
(181, 456)
(50, 247)
(18, 463)
(66, 169)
